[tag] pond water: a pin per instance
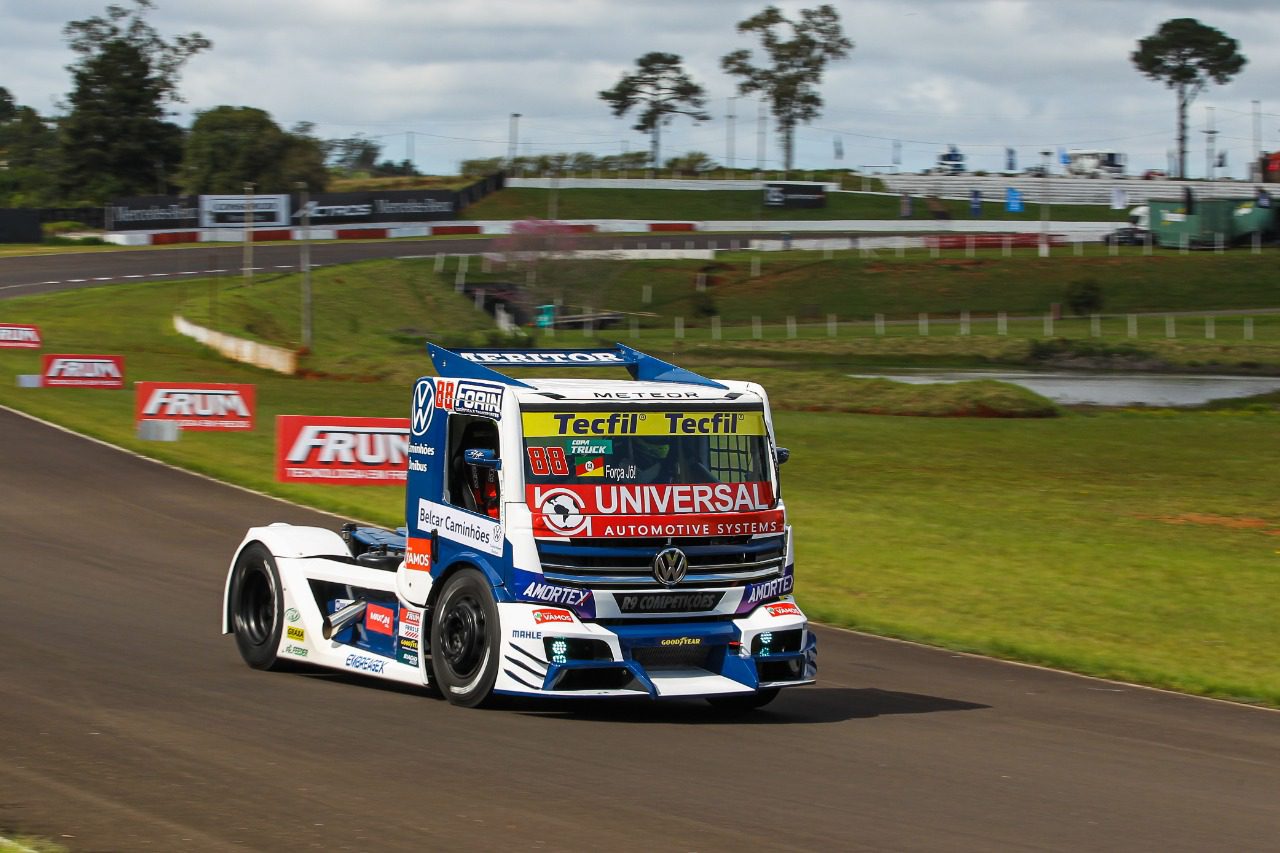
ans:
(1104, 389)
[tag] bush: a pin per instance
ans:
(1084, 296)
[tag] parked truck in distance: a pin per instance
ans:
(582, 537)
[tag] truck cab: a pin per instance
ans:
(572, 537)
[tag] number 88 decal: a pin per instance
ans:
(548, 460)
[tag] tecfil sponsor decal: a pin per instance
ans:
(196, 406)
(604, 424)
(379, 619)
(347, 451)
(14, 336)
(85, 371)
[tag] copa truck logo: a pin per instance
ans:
(90, 371)
(213, 406)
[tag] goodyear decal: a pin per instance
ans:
(605, 424)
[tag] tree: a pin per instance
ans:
(790, 78)
(28, 149)
(116, 139)
(661, 88)
(354, 153)
(693, 161)
(231, 146)
(1187, 55)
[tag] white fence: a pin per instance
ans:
(1057, 189)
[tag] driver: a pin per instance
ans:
(652, 454)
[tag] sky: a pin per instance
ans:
(436, 81)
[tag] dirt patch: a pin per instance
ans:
(1230, 522)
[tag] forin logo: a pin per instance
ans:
(424, 405)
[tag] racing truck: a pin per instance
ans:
(563, 537)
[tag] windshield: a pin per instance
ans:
(645, 448)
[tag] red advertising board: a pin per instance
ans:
(18, 336)
(58, 370)
(196, 405)
(342, 451)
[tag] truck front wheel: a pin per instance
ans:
(464, 639)
(257, 607)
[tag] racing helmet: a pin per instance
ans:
(652, 448)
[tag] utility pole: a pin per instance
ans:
(248, 233)
(305, 264)
(513, 140)
(729, 134)
(1044, 203)
(1257, 139)
(408, 148)
(760, 122)
(1210, 165)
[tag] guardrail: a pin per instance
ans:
(1058, 189)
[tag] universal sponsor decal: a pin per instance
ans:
(341, 451)
(464, 397)
(379, 619)
(196, 406)
(66, 370)
(607, 424)
(18, 336)
(681, 509)
(467, 528)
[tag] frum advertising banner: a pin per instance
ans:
(19, 336)
(65, 370)
(196, 405)
(342, 451)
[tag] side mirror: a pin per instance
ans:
(483, 459)
(782, 454)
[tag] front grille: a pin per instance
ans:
(602, 563)
(671, 657)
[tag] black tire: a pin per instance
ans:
(257, 607)
(742, 702)
(465, 639)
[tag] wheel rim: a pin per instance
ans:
(462, 636)
(257, 611)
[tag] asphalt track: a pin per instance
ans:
(127, 722)
(30, 274)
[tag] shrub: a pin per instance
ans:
(1084, 296)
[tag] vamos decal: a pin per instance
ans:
(208, 406)
(704, 509)
(82, 371)
(343, 451)
(15, 336)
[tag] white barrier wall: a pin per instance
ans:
(279, 359)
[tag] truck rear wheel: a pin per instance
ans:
(257, 607)
(464, 639)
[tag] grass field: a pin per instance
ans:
(738, 205)
(1136, 544)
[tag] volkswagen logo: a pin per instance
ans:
(670, 566)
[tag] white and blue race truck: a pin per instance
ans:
(564, 538)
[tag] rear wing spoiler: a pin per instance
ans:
(479, 363)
